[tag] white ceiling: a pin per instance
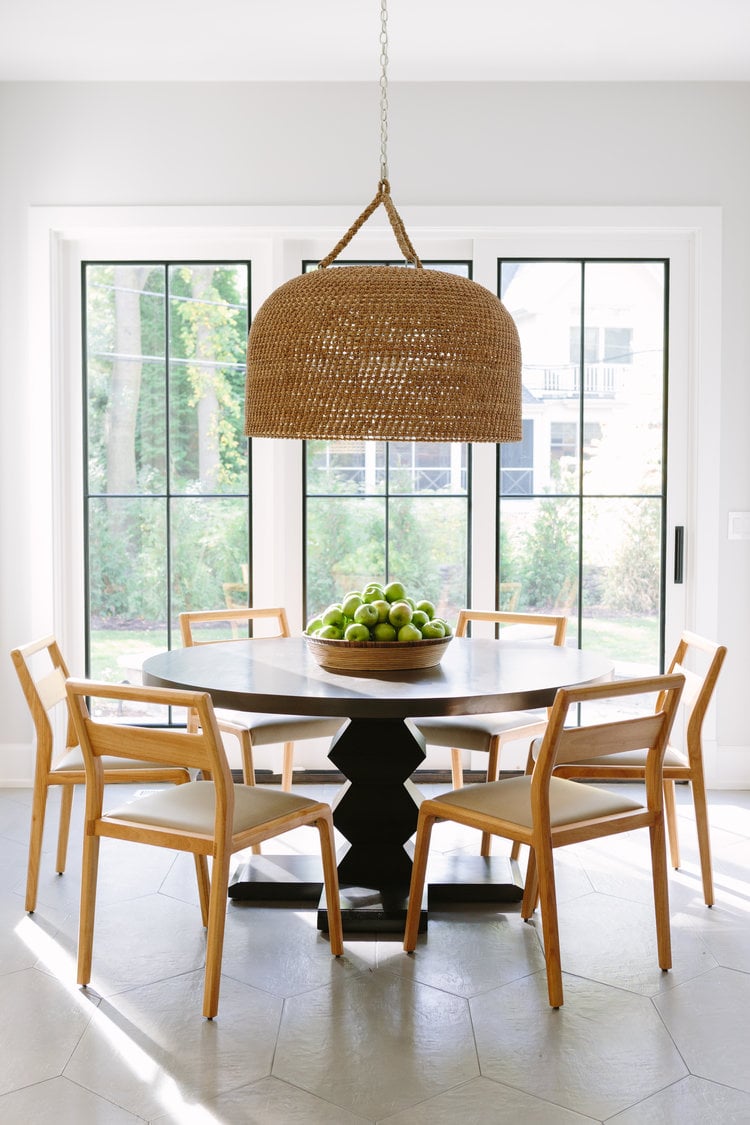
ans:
(323, 40)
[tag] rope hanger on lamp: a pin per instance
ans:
(383, 352)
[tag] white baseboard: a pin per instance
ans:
(16, 765)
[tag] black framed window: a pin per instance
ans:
(166, 467)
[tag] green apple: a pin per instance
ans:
(384, 631)
(395, 592)
(446, 626)
(351, 604)
(383, 607)
(419, 618)
(334, 615)
(410, 601)
(400, 614)
(367, 615)
(372, 593)
(409, 633)
(314, 625)
(329, 633)
(428, 608)
(433, 629)
(355, 632)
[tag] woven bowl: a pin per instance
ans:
(377, 656)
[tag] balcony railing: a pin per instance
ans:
(603, 379)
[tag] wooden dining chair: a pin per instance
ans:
(42, 673)
(249, 727)
(700, 661)
(546, 811)
(489, 733)
(206, 818)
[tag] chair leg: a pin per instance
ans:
(36, 834)
(493, 765)
(331, 883)
(530, 888)
(217, 912)
(457, 769)
(287, 767)
(661, 893)
(89, 873)
(248, 773)
(704, 839)
(515, 849)
(550, 932)
(66, 807)
(418, 876)
(670, 808)
(204, 886)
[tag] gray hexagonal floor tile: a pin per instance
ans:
(468, 951)
(483, 1102)
(692, 1101)
(268, 1102)
(47, 1022)
(714, 1046)
(568, 1056)
(613, 941)
(151, 1051)
(298, 963)
(60, 1102)
(141, 941)
(375, 1043)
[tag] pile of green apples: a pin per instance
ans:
(379, 612)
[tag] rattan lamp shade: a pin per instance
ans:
(383, 352)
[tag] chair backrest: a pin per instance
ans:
(200, 749)
(651, 730)
(556, 622)
(42, 672)
(205, 618)
(699, 684)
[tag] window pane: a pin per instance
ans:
(539, 555)
(165, 385)
(125, 385)
(208, 334)
(624, 391)
(427, 550)
(209, 538)
(345, 547)
(345, 467)
(127, 586)
(622, 581)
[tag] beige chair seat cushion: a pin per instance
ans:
(73, 760)
(191, 807)
(510, 800)
(267, 729)
(474, 732)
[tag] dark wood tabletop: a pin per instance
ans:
(279, 675)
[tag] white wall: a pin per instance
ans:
(571, 144)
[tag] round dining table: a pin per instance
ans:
(378, 750)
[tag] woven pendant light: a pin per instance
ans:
(383, 352)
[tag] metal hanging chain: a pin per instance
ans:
(384, 91)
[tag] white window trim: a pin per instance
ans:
(276, 239)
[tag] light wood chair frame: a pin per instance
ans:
(201, 749)
(558, 623)
(699, 690)
(236, 617)
(543, 835)
(43, 694)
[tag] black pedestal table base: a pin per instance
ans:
(376, 812)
